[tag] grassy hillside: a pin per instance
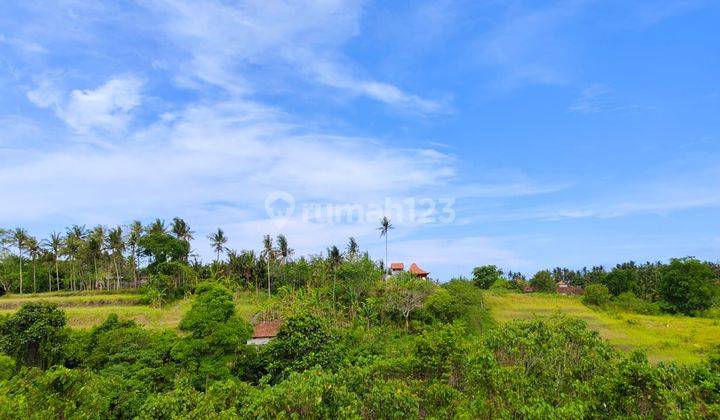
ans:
(663, 338)
(86, 309)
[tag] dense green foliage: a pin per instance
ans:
(597, 294)
(354, 342)
(688, 285)
(543, 281)
(486, 275)
(537, 369)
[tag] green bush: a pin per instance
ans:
(688, 285)
(484, 276)
(629, 302)
(543, 281)
(502, 284)
(303, 341)
(34, 335)
(596, 294)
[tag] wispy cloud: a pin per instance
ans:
(598, 98)
(231, 151)
(226, 41)
(24, 45)
(108, 107)
(526, 46)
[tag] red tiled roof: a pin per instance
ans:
(267, 329)
(397, 266)
(414, 269)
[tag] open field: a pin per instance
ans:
(86, 309)
(664, 338)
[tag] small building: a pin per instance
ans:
(263, 332)
(528, 288)
(417, 271)
(396, 268)
(568, 289)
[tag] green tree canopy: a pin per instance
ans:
(34, 335)
(543, 281)
(688, 285)
(484, 276)
(162, 247)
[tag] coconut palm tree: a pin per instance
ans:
(34, 249)
(94, 245)
(269, 255)
(20, 238)
(136, 230)
(353, 249)
(335, 259)
(55, 244)
(283, 249)
(384, 228)
(181, 229)
(218, 241)
(158, 226)
(73, 243)
(116, 245)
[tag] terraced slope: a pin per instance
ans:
(664, 338)
(86, 309)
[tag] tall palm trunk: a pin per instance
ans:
(57, 273)
(385, 269)
(72, 274)
(117, 274)
(95, 280)
(268, 270)
(34, 278)
(21, 273)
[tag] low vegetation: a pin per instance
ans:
(665, 338)
(354, 342)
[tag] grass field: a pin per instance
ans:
(663, 338)
(86, 309)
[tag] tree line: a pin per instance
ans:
(159, 256)
(682, 285)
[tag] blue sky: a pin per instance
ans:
(566, 133)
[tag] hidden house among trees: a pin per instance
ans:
(398, 267)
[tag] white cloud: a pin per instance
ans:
(234, 152)
(598, 98)
(226, 41)
(108, 107)
(23, 45)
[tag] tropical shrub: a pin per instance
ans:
(688, 285)
(34, 335)
(484, 276)
(597, 294)
(543, 281)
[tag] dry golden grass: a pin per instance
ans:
(663, 337)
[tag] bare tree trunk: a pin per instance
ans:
(117, 275)
(385, 268)
(268, 270)
(57, 273)
(34, 278)
(21, 276)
